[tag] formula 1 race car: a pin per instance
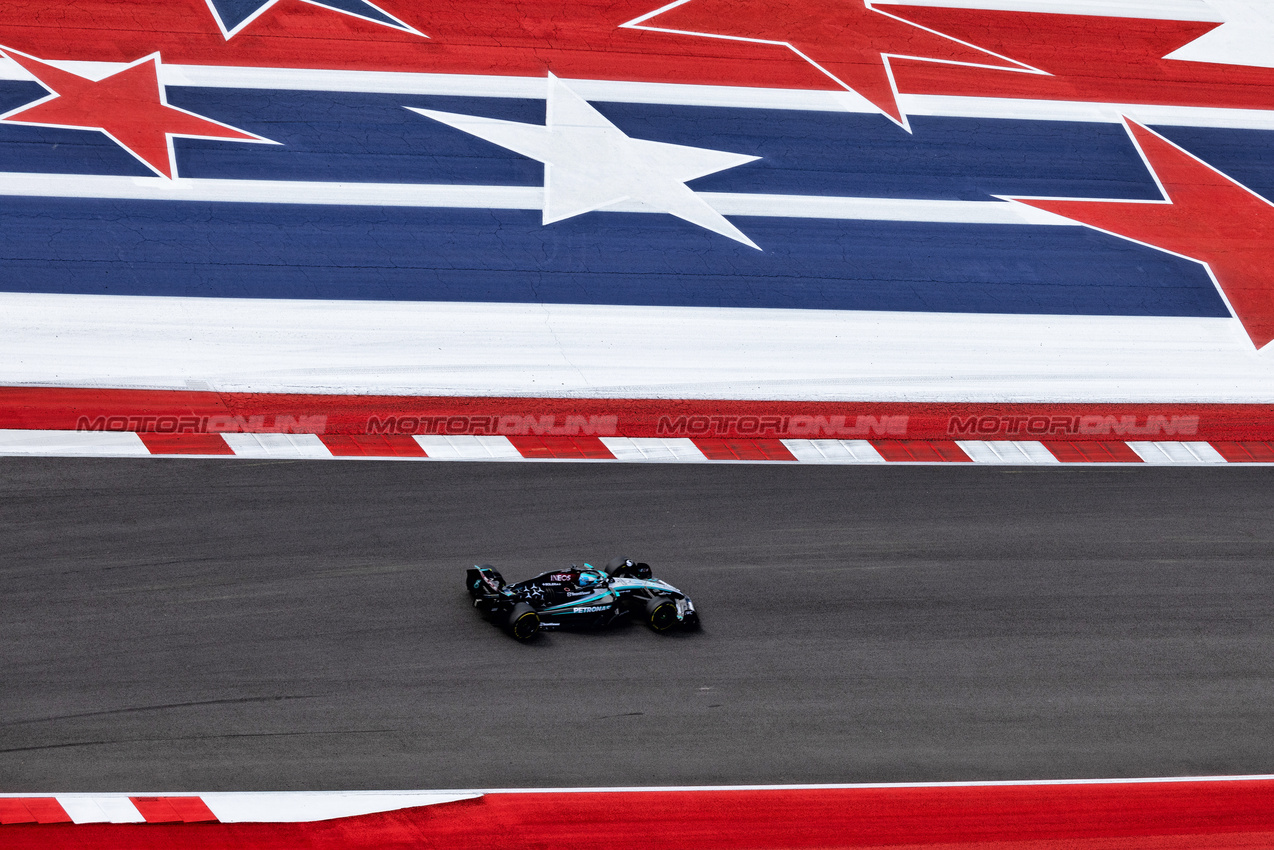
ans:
(580, 598)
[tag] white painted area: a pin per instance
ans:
(588, 351)
(246, 807)
(493, 447)
(1007, 451)
(833, 451)
(1244, 39)
(1171, 10)
(72, 443)
(506, 198)
(277, 445)
(590, 164)
(98, 808)
(662, 449)
(1176, 452)
(82, 809)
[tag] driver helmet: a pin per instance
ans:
(587, 579)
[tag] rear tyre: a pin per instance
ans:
(661, 614)
(524, 622)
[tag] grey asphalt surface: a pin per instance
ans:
(239, 625)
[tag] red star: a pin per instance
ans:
(1207, 217)
(129, 106)
(845, 39)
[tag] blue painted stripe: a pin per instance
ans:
(285, 251)
(341, 136)
(372, 138)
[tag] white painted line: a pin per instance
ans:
(495, 447)
(1177, 452)
(664, 449)
(1171, 10)
(277, 445)
(72, 443)
(1007, 451)
(295, 807)
(833, 451)
(1023, 109)
(448, 196)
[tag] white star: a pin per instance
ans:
(590, 164)
(1244, 38)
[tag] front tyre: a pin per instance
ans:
(661, 614)
(523, 622)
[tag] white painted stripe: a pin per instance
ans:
(277, 445)
(1107, 113)
(247, 807)
(991, 783)
(664, 449)
(1176, 452)
(1006, 451)
(81, 809)
(502, 197)
(98, 808)
(592, 351)
(494, 447)
(72, 443)
(1171, 10)
(833, 451)
(468, 793)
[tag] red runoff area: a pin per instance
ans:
(186, 413)
(1128, 816)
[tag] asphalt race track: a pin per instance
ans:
(219, 625)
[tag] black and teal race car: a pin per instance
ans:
(580, 597)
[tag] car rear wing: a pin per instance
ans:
(482, 579)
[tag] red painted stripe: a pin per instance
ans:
(562, 447)
(173, 809)
(372, 445)
(181, 412)
(744, 449)
(903, 451)
(1245, 451)
(1140, 816)
(1093, 452)
(185, 444)
(1115, 60)
(15, 810)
